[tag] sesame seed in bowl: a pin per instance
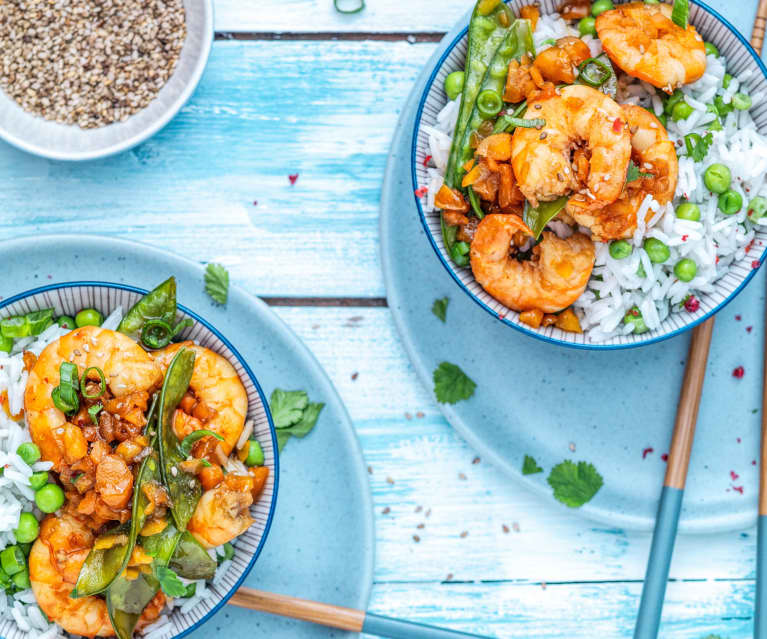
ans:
(82, 79)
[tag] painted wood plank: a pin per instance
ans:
(406, 441)
(265, 110)
(693, 610)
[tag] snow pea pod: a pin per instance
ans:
(191, 560)
(185, 489)
(158, 304)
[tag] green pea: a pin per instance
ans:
(65, 321)
(711, 49)
(21, 580)
(255, 454)
(29, 452)
(681, 111)
(620, 249)
(28, 528)
(672, 100)
(688, 211)
(652, 1)
(38, 479)
(12, 560)
(489, 104)
(717, 178)
(742, 101)
(757, 207)
(600, 6)
(634, 316)
(461, 253)
(727, 80)
(454, 84)
(730, 202)
(49, 498)
(686, 269)
(88, 317)
(587, 26)
(6, 344)
(656, 250)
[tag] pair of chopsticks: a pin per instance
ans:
(656, 577)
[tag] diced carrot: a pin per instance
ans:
(471, 177)
(549, 319)
(260, 475)
(531, 318)
(211, 476)
(506, 188)
(496, 147)
(567, 320)
(153, 527)
(449, 200)
(530, 12)
(468, 165)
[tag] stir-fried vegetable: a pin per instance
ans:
(29, 325)
(152, 320)
(191, 560)
(680, 13)
(537, 218)
(599, 73)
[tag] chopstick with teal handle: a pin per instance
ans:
(341, 618)
(654, 590)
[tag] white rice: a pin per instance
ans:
(714, 243)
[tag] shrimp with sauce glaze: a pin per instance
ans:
(644, 42)
(551, 281)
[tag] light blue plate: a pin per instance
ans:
(321, 542)
(538, 399)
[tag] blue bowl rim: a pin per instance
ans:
(520, 327)
(134, 289)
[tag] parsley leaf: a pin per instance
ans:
(451, 384)
(575, 484)
(169, 582)
(287, 406)
(439, 308)
(217, 282)
(293, 414)
(635, 174)
(697, 146)
(530, 466)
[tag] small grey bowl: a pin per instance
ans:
(56, 141)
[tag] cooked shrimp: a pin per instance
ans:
(560, 62)
(642, 40)
(222, 403)
(552, 280)
(654, 153)
(221, 515)
(127, 369)
(579, 119)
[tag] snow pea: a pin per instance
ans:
(185, 489)
(191, 560)
(158, 304)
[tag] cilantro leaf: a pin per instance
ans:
(635, 174)
(530, 466)
(287, 406)
(217, 282)
(575, 484)
(303, 427)
(169, 582)
(697, 146)
(451, 384)
(439, 308)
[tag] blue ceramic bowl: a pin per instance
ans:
(67, 299)
(740, 58)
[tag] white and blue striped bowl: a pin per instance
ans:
(68, 299)
(740, 58)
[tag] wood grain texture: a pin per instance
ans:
(760, 22)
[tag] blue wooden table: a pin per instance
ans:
(293, 88)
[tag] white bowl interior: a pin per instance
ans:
(739, 60)
(68, 142)
(70, 299)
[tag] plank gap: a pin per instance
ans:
(384, 36)
(328, 302)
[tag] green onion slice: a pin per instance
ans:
(185, 447)
(475, 205)
(360, 5)
(68, 375)
(102, 382)
(594, 72)
(65, 399)
(94, 411)
(680, 13)
(156, 333)
(505, 123)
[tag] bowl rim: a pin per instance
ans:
(272, 506)
(141, 136)
(586, 346)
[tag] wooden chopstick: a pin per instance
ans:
(339, 617)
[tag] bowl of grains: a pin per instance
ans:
(84, 79)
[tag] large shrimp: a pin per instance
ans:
(222, 513)
(642, 40)
(128, 369)
(552, 280)
(581, 121)
(219, 401)
(55, 561)
(655, 155)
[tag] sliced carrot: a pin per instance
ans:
(531, 318)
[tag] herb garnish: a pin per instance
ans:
(293, 414)
(451, 384)
(635, 174)
(575, 484)
(697, 146)
(217, 282)
(169, 582)
(439, 308)
(530, 466)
